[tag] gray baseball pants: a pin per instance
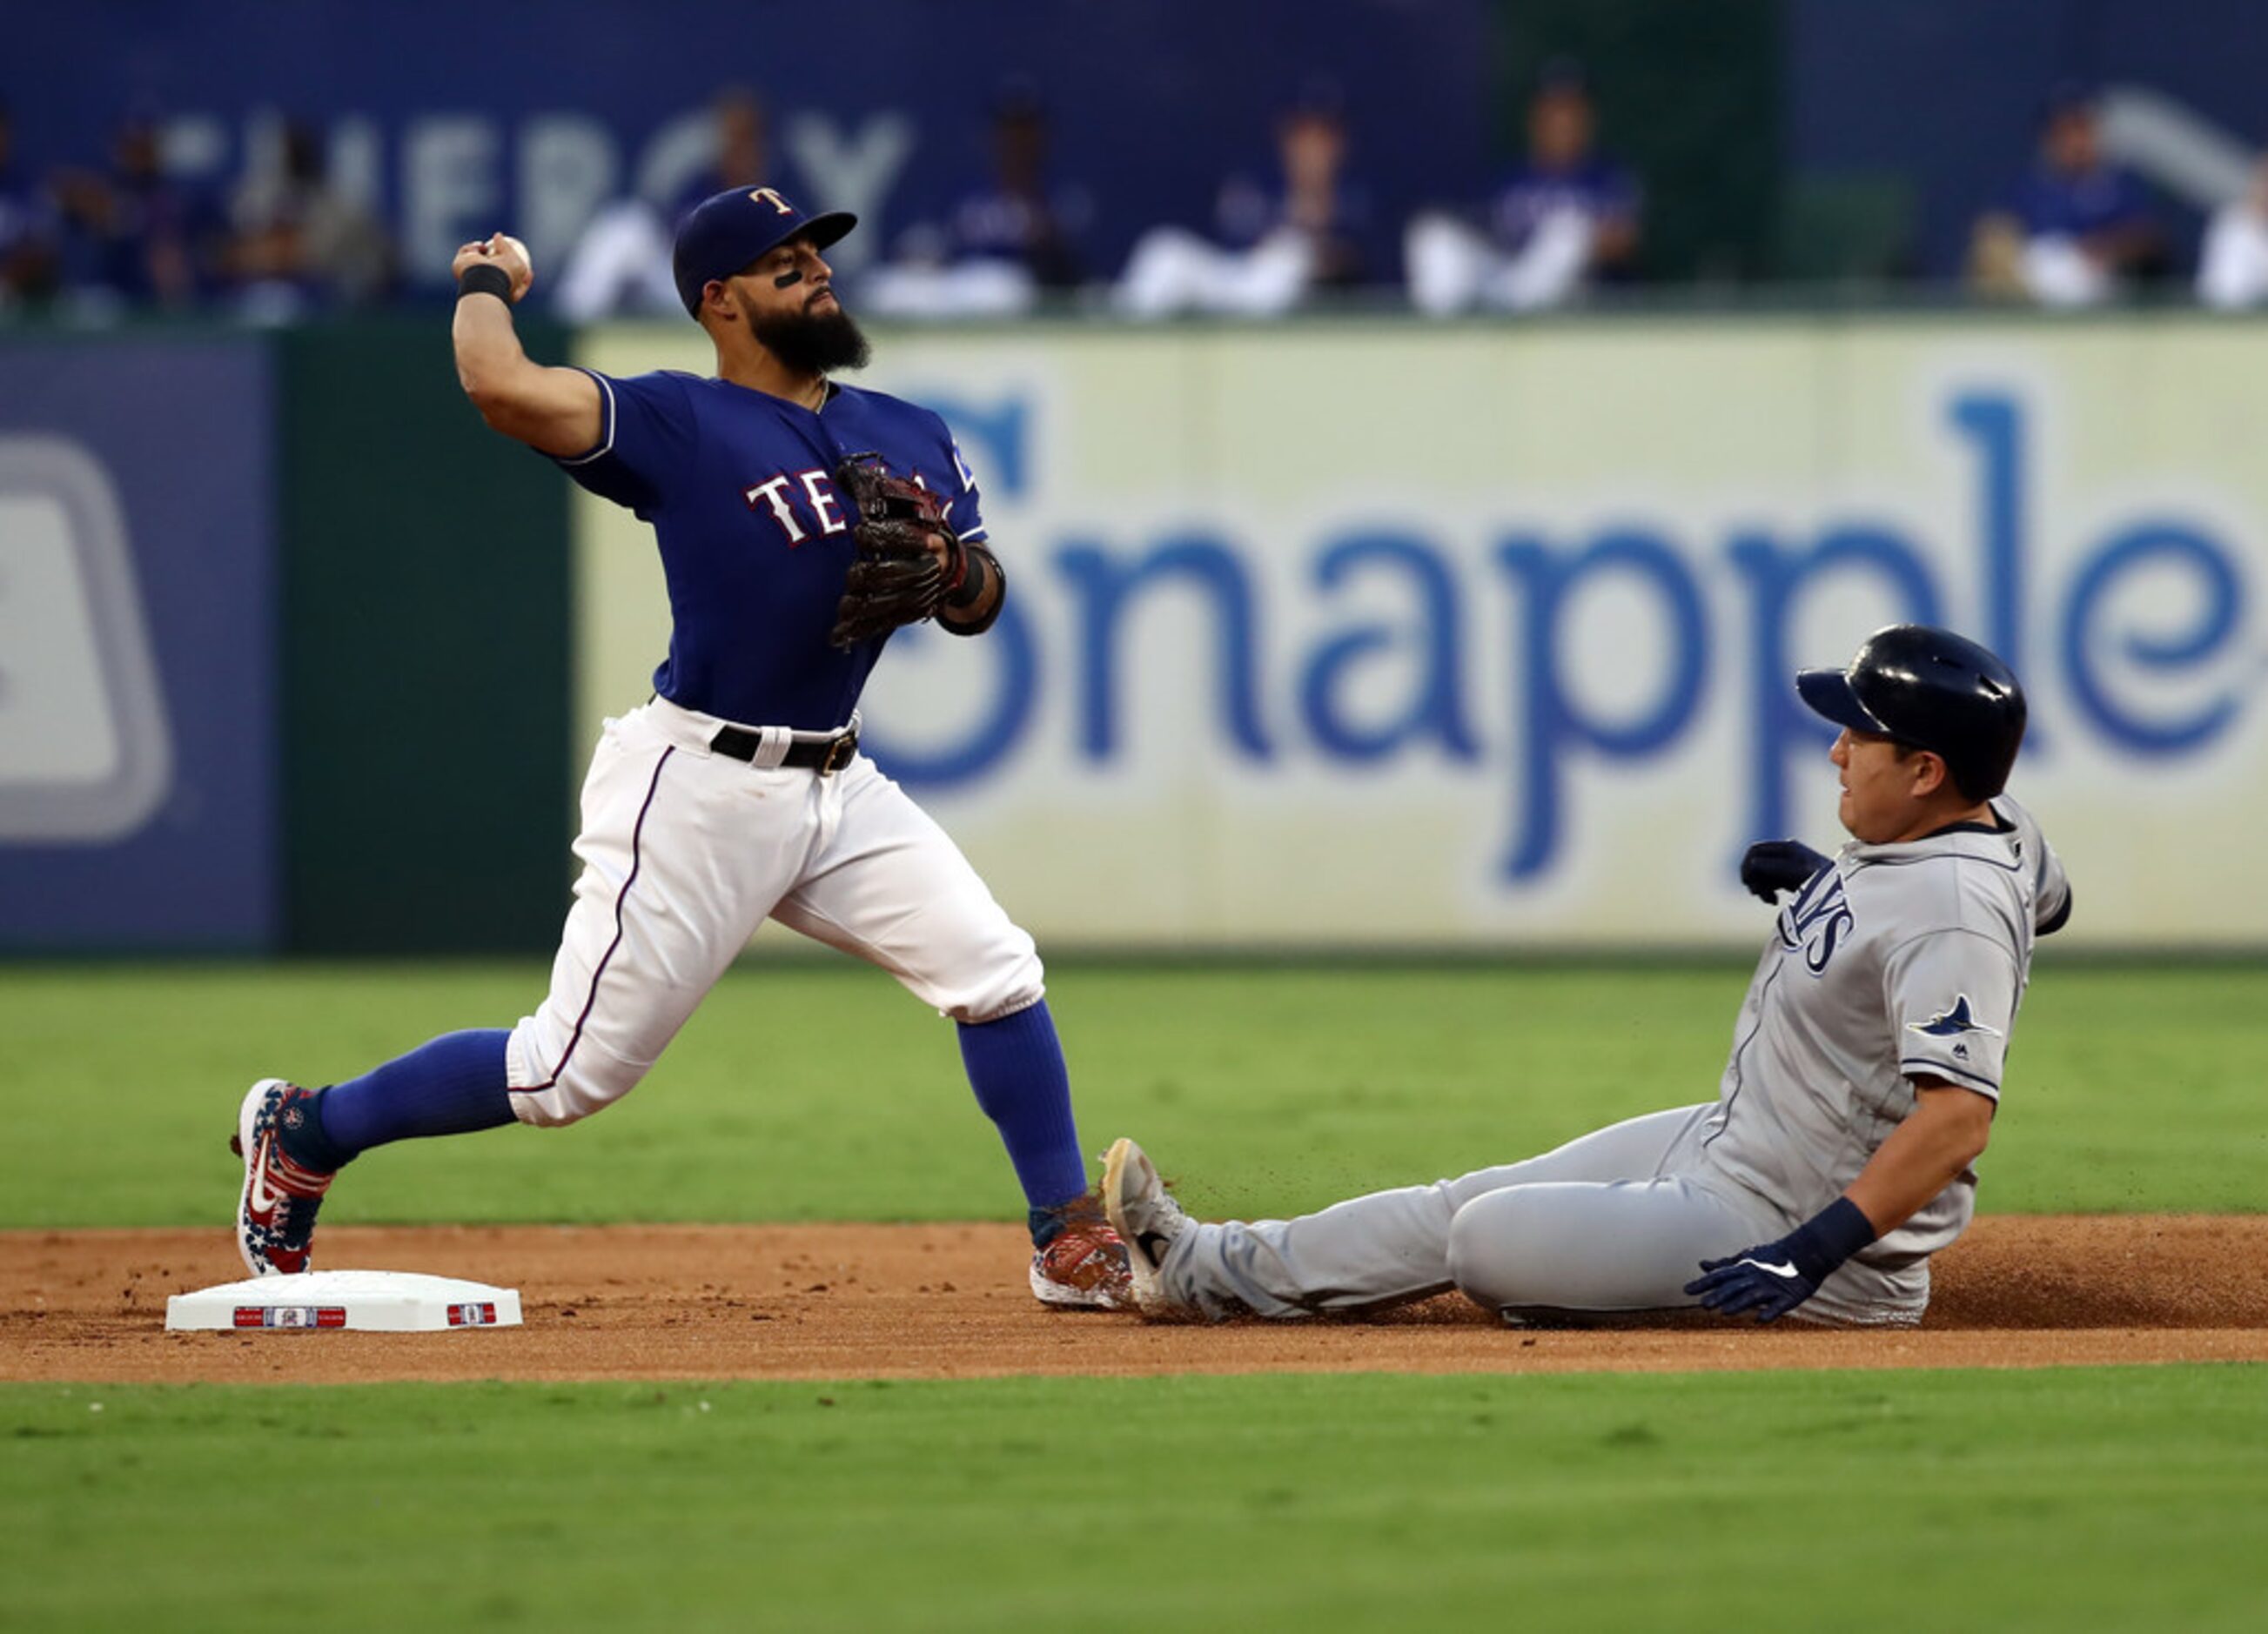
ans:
(1594, 1228)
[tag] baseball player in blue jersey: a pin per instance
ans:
(799, 521)
(1865, 1069)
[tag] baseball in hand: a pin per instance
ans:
(513, 255)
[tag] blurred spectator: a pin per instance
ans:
(1004, 244)
(1021, 215)
(27, 231)
(1565, 217)
(2233, 271)
(2078, 227)
(743, 151)
(1281, 243)
(300, 244)
(1995, 266)
(620, 265)
(137, 237)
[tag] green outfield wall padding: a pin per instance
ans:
(425, 654)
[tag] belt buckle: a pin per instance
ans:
(839, 754)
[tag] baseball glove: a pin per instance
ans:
(896, 577)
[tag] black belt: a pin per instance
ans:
(825, 754)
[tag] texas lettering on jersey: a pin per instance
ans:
(819, 504)
(824, 506)
(720, 472)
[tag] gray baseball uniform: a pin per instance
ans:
(1895, 961)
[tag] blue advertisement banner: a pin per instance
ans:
(137, 696)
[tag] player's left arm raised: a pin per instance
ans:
(556, 412)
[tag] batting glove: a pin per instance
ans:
(1774, 1278)
(1772, 866)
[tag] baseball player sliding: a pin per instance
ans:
(1866, 1068)
(799, 522)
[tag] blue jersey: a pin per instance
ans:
(1246, 212)
(1040, 233)
(2053, 203)
(1595, 188)
(755, 538)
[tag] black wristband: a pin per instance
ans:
(972, 586)
(485, 278)
(973, 590)
(1829, 1237)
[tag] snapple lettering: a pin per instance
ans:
(1515, 598)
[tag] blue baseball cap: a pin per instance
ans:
(726, 231)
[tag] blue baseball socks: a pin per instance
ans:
(1016, 1064)
(450, 1087)
(457, 1084)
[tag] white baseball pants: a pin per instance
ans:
(1452, 268)
(1174, 270)
(685, 853)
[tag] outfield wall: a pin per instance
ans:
(1360, 634)
(1482, 636)
(137, 683)
(283, 654)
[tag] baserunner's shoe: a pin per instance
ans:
(1082, 1266)
(275, 1210)
(1147, 1219)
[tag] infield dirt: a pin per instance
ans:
(950, 1301)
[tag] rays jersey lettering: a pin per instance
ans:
(1919, 951)
(1818, 921)
(736, 484)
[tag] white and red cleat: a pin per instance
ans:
(275, 1210)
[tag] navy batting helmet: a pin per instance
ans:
(1935, 690)
(728, 230)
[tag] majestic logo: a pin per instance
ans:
(1953, 1022)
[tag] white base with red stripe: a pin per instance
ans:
(363, 1301)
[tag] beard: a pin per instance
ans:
(811, 343)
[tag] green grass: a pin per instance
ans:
(823, 1092)
(2072, 1498)
(2099, 1498)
